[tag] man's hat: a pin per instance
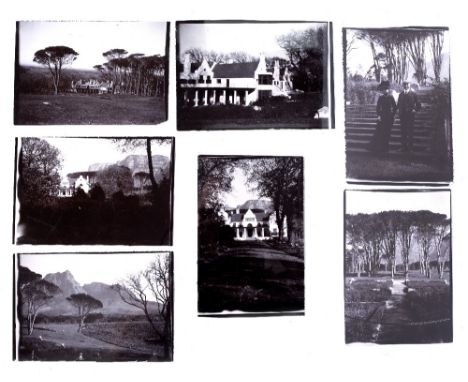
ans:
(384, 85)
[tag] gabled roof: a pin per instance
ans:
(236, 70)
(236, 218)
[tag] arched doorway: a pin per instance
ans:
(250, 231)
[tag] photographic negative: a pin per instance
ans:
(398, 105)
(253, 75)
(250, 235)
(95, 307)
(398, 267)
(95, 191)
(98, 73)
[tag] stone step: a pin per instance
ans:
(371, 125)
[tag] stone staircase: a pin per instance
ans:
(361, 122)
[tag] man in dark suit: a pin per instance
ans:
(407, 105)
(386, 109)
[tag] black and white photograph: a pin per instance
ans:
(91, 73)
(95, 307)
(250, 235)
(95, 191)
(253, 75)
(398, 267)
(398, 105)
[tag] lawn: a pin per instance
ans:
(297, 113)
(398, 168)
(251, 280)
(62, 342)
(84, 109)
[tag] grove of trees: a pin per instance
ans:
(381, 238)
(134, 73)
(54, 58)
(153, 284)
(398, 50)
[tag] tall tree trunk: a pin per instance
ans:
(154, 185)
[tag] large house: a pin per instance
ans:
(137, 164)
(254, 220)
(232, 83)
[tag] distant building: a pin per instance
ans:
(232, 83)
(254, 220)
(92, 86)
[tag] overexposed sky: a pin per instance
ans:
(79, 153)
(368, 202)
(88, 268)
(252, 38)
(90, 39)
(241, 191)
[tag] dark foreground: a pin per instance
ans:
(84, 109)
(250, 277)
(381, 311)
(109, 341)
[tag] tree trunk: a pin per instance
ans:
(154, 185)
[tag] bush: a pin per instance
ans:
(361, 92)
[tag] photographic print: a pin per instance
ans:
(250, 235)
(95, 191)
(398, 267)
(398, 105)
(253, 75)
(98, 73)
(95, 307)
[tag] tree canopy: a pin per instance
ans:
(54, 58)
(84, 304)
(39, 167)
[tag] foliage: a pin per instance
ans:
(115, 178)
(39, 166)
(361, 92)
(306, 51)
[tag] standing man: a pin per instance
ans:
(408, 104)
(386, 109)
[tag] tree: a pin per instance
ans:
(437, 44)
(416, 50)
(39, 167)
(114, 179)
(153, 282)
(84, 303)
(35, 294)
(425, 234)
(306, 51)
(281, 180)
(442, 233)
(406, 230)
(55, 57)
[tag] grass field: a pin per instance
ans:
(84, 109)
(294, 114)
(110, 341)
(251, 278)
(381, 311)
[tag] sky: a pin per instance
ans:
(252, 38)
(87, 268)
(90, 39)
(369, 201)
(241, 191)
(359, 60)
(79, 153)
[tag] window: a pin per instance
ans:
(201, 80)
(265, 79)
(208, 80)
(218, 80)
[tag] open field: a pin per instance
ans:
(88, 109)
(294, 114)
(251, 277)
(106, 341)
(380, 310)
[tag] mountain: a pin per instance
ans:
(110, 298)
(66, 282)
(257, 204)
